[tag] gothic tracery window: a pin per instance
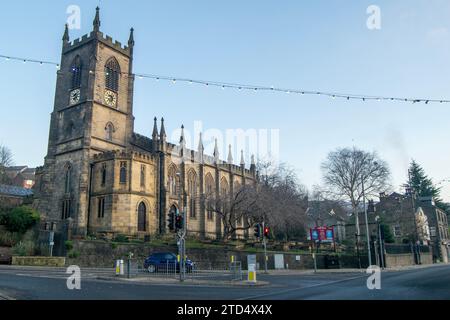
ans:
(67, 180)
(75, 71)
(123, 172)
(192, 189)
(112, 75)
(210, 196)
(173, 181)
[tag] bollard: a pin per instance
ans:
(252, 273)
(122, 268)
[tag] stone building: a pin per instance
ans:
(102, 176)
(439, 233)
(21, 176)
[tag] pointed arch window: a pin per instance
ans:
(67, 181)
(192, 189)
(123, 172)
(104, 175)
(173, 181)
(142, 217)
(75, 70)
(224, 188)
(143, 176)
(112, 74)
(210, 196)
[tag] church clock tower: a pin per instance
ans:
(93, 113)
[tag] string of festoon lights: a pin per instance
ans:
(240, 87)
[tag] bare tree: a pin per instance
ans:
(283, 200)
(276, 199)
(346, 171)
(236, 211)
(6, 160)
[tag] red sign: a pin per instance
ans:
(322, 234)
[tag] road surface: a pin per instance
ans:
(431, 283)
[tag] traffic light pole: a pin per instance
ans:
(181, 234)
(265, 247)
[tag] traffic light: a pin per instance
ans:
(171, 221)
(179, 222)
(266, 232)
(257, 231)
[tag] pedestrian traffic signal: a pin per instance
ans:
(257, 231)
(266, 232)
(171, 220)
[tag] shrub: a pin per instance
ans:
(121, 238)
(9, 239)
(73, 254)
(24, 248)
(21, 219)
(69, 245)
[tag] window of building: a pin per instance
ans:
(123, 172)
(68, 177)
(75, 70)
(210, 196)
(142, 217)
(397, 231)
(66, 209)
(173, 181)
(192, 190)
(101, 207)
(143, 176)
(112, 74)
(103, 174)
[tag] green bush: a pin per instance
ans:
(114, 246)
(73, 254)
(24, 249)
(69, 245)
(9, 239)
(121, 238)
(21, 219)
(2, 217)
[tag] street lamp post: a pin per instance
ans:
(181, 234)
(367, 223)
(380, 241)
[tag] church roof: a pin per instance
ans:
(15, 191)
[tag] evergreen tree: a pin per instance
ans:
(423, 186)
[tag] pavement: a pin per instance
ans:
(422, 282)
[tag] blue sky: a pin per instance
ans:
(311, 45)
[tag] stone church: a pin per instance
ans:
(104, 178)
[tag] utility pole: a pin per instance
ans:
(367, 223)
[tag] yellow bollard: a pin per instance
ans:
(252, 273)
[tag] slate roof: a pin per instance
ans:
(15, 191)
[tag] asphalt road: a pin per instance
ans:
(432, 283)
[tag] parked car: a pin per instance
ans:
(165, 262)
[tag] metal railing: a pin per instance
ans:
(199, 271)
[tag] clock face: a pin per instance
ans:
(75, 96)
(110, 98)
